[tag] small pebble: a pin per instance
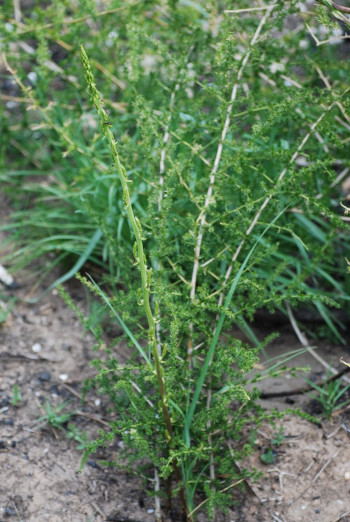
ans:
(36, 347)
(5, 276)
(10, 512)
(44, 376)
(92, 464)
(347, 475)
(65, 394)
(150, 511)
(54, 390)
(14, 285)
(4, 401)
(32, 76)
(8, 422)
(63, 377)
(97, 402)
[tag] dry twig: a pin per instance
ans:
(325, 465)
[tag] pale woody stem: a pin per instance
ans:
(269, 197)
(157, 511)
(250, 228)
(165, 140)
(202, 216)
(161, 183)
(161, 175)
(44, 112)
(163, 151)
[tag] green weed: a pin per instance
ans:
(330, 395)
(278, 438)
(53, 417)
(7, 304)
(270, 454)
(79, 436)
(16, 398)
(268, 457)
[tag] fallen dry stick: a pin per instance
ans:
(325, 465)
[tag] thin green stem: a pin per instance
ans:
(139, 254)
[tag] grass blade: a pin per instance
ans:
(82, 259)
(122, 324)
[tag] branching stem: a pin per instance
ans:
(202, 216)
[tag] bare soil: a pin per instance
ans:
(39, 465)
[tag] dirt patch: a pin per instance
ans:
(309, 478)
(45, 353)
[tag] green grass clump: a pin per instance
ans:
(330, 394)
(211, 190)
